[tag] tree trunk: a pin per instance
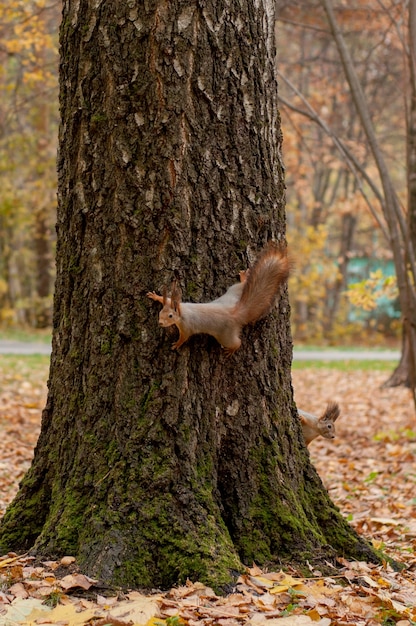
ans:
(154, 466)
(43, 204)
(405, 373)
(348, 224)
(400, 376)
(409, 323)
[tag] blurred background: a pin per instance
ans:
(343, 289)
(28, 142)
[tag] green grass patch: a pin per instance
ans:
(43, 335)
(346, 365)
(24, 364)
(18, 363)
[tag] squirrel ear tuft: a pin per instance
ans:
(176, 296)
(332, 412)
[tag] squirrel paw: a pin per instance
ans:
(178, 344)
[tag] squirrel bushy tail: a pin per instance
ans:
(270, 270)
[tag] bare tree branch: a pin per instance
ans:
(352, 162)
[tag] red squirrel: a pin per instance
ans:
(244, 302)
(314, 426)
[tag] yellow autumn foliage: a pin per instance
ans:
(366, 293)
(313, 276)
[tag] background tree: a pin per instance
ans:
(28, 141)
(338, 177)
(153, 466)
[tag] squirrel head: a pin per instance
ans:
(171, 311)
(326, 423)
(326, 428)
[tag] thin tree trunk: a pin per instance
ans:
(347, 236)
(43, 255)
(42, 205)
(400, 376)
(154, 466)
(409, 332)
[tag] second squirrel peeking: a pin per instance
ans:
(243, 303)
(313, 426)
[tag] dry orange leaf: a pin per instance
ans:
(76, 580)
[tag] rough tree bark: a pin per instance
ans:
(153, 466)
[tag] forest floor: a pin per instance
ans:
(369, 471)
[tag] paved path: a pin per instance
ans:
(346, 355)
(8, 346)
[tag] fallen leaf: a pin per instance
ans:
(292, 620)
(18, 610)
(18, 590)
(286, 583)
(6, 562)
(68, 614)
(138, 611)
(386, 521)
(260, 581)
(76, 580)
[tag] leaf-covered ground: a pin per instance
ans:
(369, 470)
